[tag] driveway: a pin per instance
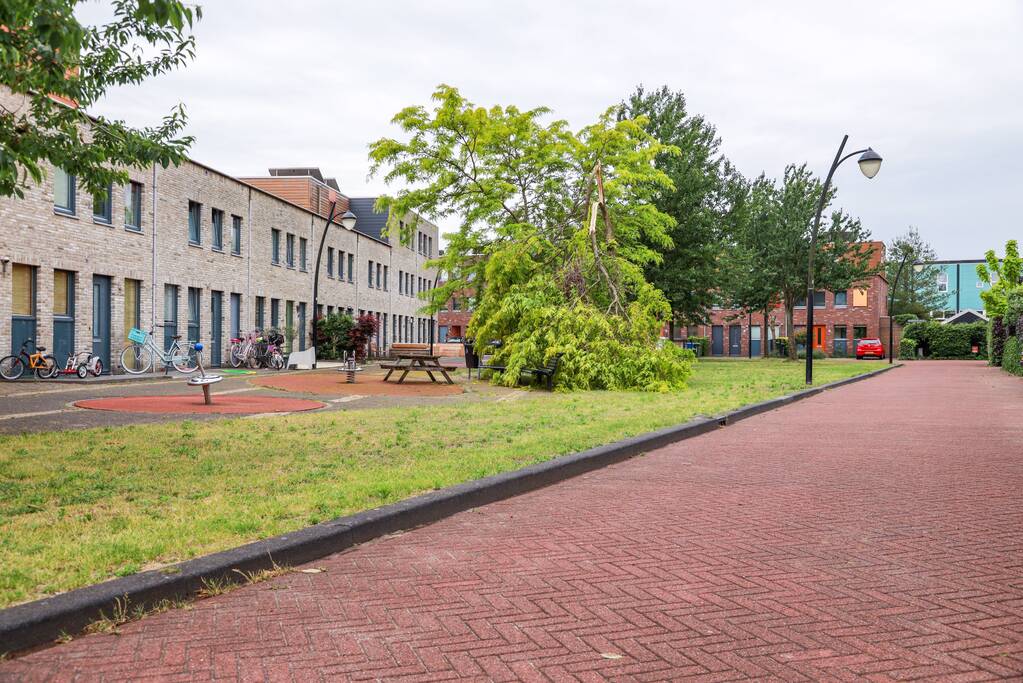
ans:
(870, 532)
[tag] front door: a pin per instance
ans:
(819, 336)
(236, 316)
(63, 315)
(734, 340)
(301, 326)
(101, 319)
(754, 344)
(717, 340)
(216, 326)
(23, 311)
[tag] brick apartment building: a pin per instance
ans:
(202, 253)
(840, 320)
(453, 320)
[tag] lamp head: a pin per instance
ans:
(870, 163)
(348, 220)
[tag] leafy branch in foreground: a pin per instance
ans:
(556, 229)
(56, 68)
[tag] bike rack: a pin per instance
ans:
(203, 380)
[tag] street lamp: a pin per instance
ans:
(906, 253)
(347, 221)
(870, 164)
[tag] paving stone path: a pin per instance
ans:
(872, 532)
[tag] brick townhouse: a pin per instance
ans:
(203, 254)
(840, 319)
(453, 319)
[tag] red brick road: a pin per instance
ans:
(872, 532)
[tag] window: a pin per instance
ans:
(236, 235)
(340, 265)
(818, 299)
(351, 268)
(275, 312)
(64, 292)
(260, 312)
(380, 269)
(429, 246)
(302, 242)
(194, 306)
(275, 246)
(217, 219)
(24, 290)
(132, 305)
(456, 304)
(386, 269)
(102, 206)
(859, 332)
(369, 276)
(841, 342)
(860, 296)
(330, 261)
(980, 284)
(194, 223)
(289, 249)
(942, 281)
(133, 206)
(63, 192)
(841, 299)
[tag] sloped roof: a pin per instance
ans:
(368, 220)
(965, 316)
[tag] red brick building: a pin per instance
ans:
(840, 320)
(453, 321)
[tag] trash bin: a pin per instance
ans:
(472, 361)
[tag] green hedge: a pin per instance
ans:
(995, 341)
(817, 354)
(907, 349)
(948, 341)
(1011, 356)
(904, 318)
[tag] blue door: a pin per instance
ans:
(101, 319)
(301, 326)
(754, 344)
(170, 314)
(216, 327)
(734, 340)
(63, 315)
(23, 318)
(194, 296)
(717, 340)
(236, 315)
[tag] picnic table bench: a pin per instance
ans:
(417, 361)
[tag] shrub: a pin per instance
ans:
(361, 333)
(903, 318)
(817, 354)
(800, 338)
(781, 347)
(332, 335)
(937, 340)
(996, 340)
(907, 349)
(1011, 356)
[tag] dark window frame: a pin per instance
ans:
(236, 235)
(70, 208)
(194, 223)
(216, 229)
(133, 206)
(275, 247)
(106, 214)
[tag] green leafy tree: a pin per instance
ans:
(840, 258)
(698, 200)
(917, 290)
(1002, 278)
(56, 68)
(556, 229)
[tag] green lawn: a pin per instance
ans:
(80, 507)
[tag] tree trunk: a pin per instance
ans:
(766, 336)
(790, 327)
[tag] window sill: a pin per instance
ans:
(236, 254)
(275, 263)
(102, 221)
(197, 245)
(217, 250)
(132, 228)
(65, 213)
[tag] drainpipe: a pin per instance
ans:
(152, 296)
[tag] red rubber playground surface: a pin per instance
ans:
(193, 404)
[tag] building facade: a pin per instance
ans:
(840, 320)
(453, 319)
(959, 281)
(190, 251)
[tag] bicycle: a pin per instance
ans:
(243, 351)
(268, 352)
(138, 357)
(13, 367)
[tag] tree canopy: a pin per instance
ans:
(917, 290)
(57, 67)
(556, 230)
(1002, 276)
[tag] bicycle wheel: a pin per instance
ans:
(235, 357)
(183, 360)
(277, 360)
(12, 367)
(136, 359)
(48, 370)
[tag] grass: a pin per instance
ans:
(81, 507)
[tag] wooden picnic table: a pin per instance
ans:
(417, 361)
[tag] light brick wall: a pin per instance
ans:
(34, 234)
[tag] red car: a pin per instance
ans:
(869, 347)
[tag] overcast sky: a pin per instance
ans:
(935, 87)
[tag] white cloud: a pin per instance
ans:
(935, 87)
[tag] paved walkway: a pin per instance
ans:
(872, 532)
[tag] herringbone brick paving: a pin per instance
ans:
(871, 532)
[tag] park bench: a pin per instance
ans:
(547, 372)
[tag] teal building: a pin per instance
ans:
(961, 285)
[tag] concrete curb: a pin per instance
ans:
(43, 621)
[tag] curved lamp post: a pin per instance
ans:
(891, 306)
(870, 164)
(347, 221)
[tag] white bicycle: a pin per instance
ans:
(138, 357)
